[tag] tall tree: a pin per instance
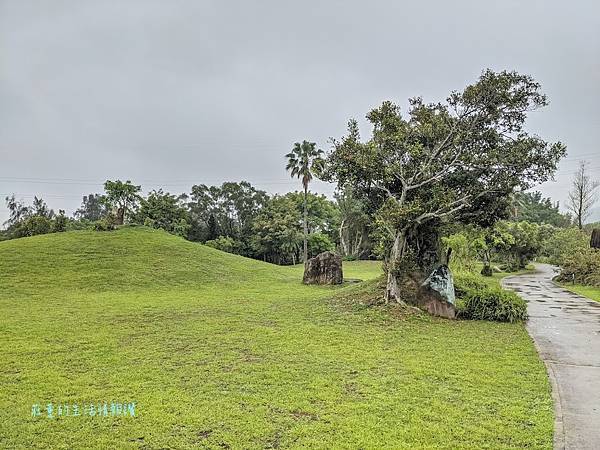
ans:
(227, 210)
(18, 211)
(583, 194)
(302, 162)
(354, 222)
(452, 161)
(532, 207)
(122, 196)
(40, 208)
(93, 207)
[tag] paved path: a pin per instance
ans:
(566, 330)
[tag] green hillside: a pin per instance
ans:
(219, 351)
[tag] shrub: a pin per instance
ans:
(565, 243)
(584, 264)
(467, 282)
(33, 226)
(106, 224)
(60, 222)
(492, 304)
(224, 243)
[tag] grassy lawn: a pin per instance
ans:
(219, 351)
(496, 278)
(590, 292)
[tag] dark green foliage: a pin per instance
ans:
(164, 211)
(32, 220)
(228, 210)
(225, 244)
(33, 226)
(521, 242)
(122, 197)
(18, 212)
(467, 282)
(584, 263)
(40, 208)
(532, 207)
(60, 222)
(323, 215)
(491, 303)
(93, 207)
(108, 223)
(457, 161)
(564, 243)
(319, 243)
(277, 231)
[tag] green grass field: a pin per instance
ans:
(219, 351)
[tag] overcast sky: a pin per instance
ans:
(174, 93)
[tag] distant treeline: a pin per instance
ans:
(238, 218)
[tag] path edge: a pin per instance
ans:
(559, 429)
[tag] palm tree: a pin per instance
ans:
(302, 161)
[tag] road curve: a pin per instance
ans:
(566, 330)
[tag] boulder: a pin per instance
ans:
(325, 268)
(595, 239)
(436, 293)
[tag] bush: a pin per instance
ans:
(584, 264)
(60, 223)
(565, 243)
(467, 282)
(224, 243)
(492, 304)
(106, 224)
(33, 226)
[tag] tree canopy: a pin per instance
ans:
(457, 160)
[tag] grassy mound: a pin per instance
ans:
(219, 351)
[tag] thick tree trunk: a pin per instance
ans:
(120, 215)
(343, 238)
(392, 291)
(305, 226)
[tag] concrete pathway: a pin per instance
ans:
(566, 330)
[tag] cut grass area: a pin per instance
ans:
(220, 351)
(590, 292)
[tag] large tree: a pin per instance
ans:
(453, 161)
(123, 196)
(354, 225)
(302, 162)
(582, 195)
